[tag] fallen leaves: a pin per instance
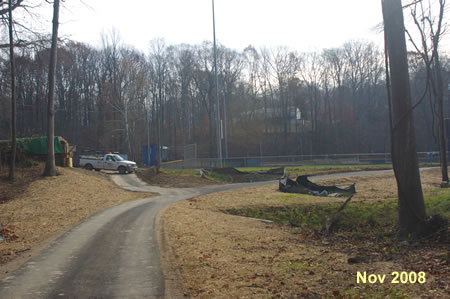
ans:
(226, 256)
(8, 233)
(43, 207)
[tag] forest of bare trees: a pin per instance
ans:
(116, 98)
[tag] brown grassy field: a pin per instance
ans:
(227, 256)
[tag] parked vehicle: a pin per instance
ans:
(108, 162)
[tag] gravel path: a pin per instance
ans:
(113, 254)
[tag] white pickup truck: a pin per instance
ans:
(108, 162)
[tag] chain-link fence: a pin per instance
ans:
(277, 161)
(190, 152)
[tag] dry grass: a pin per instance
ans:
(225, 256)
(167, 178)
(45, 207)
(373, 187)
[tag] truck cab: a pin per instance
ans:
(108, 162)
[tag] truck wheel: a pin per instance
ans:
(88, 167)
(122, 170)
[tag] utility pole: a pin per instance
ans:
(218, 122)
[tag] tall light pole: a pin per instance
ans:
(218, 122)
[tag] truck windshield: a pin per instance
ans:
(118, 158)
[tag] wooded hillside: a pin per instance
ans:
(276, 101)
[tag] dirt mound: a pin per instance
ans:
(275, 171)
(233, 175)
(172, 179)
(214, 176)
(233, 171)
(228, 171)
(40, 208)
(24, 176)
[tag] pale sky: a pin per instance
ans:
(298, 24)
(302, 25)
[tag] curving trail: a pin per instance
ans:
(113, 254)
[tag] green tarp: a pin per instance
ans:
(37, 145)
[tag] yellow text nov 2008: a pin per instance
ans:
(395, 277)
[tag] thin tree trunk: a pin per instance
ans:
(211, 130)
(440, 106)
(147, 121)
(411, 208)
(159, 112)
(225, 122)
(266, 130)
(12, 166)
(50, 167)
(127, 132)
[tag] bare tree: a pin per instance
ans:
(184, 65)
(7, 9)
(266, 84)
(285, 64)
(335, 70)
(110, 83)
(430, 31)
(158, 57)
(231, 63)
(101, 91)
(312, 73)
(50, 167)
(133, 91)
(411, 207)
(13, 91)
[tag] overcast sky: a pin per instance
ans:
(299, 24)
(302, 25)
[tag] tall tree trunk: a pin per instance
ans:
(12, 166)
(50, 167)
(159, 114)
(211, 130)
(127, 131)
(184, 113)
(266, 130)
(411, 208)
(227, 96)
(440, 106)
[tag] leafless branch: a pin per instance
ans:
(6, 10)
(24, 43)
(411, 4)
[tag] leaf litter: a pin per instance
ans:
(39, 208)
(226, 256)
